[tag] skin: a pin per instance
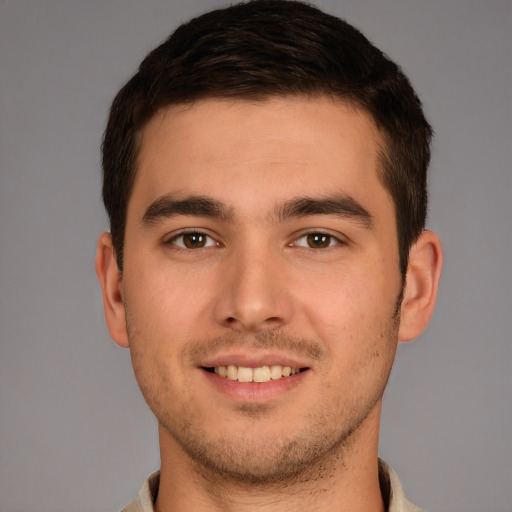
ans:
(260, 291)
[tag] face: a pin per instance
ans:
(261, 281)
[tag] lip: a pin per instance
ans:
(255, 360)
(254, 392)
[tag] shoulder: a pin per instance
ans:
(392, 491)
(144, 502)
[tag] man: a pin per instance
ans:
(265, 179)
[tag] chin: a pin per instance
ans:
(262, 454)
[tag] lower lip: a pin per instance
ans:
(255, 391)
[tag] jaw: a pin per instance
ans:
(273, 471)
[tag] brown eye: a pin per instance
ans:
(193, 240)
(318, 240)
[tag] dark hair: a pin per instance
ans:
(262, 49)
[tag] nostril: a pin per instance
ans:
(248, 324)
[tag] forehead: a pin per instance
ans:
(251, 151)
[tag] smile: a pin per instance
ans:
(260, 374)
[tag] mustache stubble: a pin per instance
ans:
(201, 350)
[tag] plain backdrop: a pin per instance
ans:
(75, 433)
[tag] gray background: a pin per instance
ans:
(75, 434)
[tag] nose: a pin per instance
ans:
(254, 292)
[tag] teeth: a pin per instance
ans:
(245, 374)
(261, 374)
(232, 372)
(276, 372)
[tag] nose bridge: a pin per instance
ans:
(254, 294)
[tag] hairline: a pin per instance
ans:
(383, 145)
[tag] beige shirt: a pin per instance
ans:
(390, 486)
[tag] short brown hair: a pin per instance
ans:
(262, 49)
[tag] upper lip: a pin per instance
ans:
(254, 360)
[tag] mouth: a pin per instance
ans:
(258, 374)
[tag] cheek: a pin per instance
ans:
(155, 347)
(352, 312)
(344, 299)
(164, 311)
(166, 302)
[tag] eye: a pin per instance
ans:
(192, 240)
(316, 241)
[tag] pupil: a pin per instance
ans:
(317, 240)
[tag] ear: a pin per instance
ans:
(421, 285)
(112, 288)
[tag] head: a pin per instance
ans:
(265, 49)
(265, 181)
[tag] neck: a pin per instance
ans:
(346, 479)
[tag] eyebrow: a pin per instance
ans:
(202, 206)
(169, 206)
(341, 206)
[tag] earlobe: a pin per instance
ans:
(421, 285)
(111, 286)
